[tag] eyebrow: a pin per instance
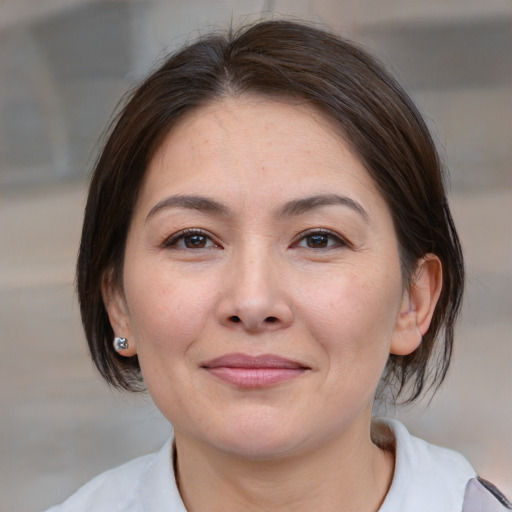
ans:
(291, 208)
(200, 203)
(306, 204)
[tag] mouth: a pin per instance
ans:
(245, 371)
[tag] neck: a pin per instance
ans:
(343, 476)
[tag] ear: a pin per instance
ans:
(418, 306)
(115, 304)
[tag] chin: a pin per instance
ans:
(260, 439)
(261, 447)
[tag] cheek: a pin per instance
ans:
(353, 317)
(167, 318)
(166, 312)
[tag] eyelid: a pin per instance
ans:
(341, 240)
(172, 240)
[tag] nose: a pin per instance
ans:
(253, 298)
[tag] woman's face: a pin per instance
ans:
(262, 288)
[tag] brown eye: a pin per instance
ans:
(320, 240)
(195, 241)
(190, 240)
(317, 241)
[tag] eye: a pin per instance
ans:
(320, 239)
(190, 239)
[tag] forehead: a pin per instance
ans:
(251, 145)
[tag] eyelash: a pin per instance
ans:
(339, 241)
(173, 241)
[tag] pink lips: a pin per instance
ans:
(247, 371)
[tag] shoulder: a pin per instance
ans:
(427, 477)
(111, 490)
(482, 496)
(424, 457)
(132, 487)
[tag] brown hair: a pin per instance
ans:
(372, 111)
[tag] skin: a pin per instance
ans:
(315, 282)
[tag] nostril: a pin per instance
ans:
(235, 318)
(271, 319)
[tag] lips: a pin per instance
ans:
(245, 371)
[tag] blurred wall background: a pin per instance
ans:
(63, 66)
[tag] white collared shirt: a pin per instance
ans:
(427, 478)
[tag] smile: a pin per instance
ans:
(247, 371)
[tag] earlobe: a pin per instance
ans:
(118, 314)
(418, 306)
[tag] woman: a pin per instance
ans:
(266, 247)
